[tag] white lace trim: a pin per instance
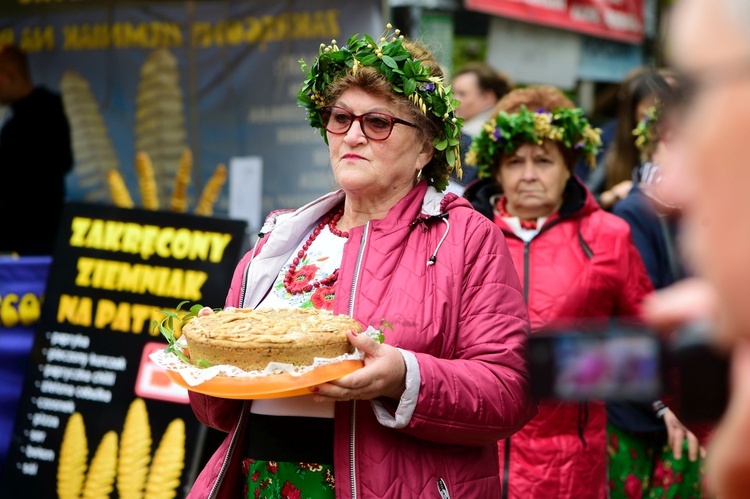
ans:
(194, 376)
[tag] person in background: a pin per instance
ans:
(576, 263)
(477, 86)
(423, 416)
(710, 46)
(651, 453)
(35, 157)
(612, 178)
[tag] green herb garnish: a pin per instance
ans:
(167, 326)
(380, 338)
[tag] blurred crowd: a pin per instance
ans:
(640, 219)
(669, 175)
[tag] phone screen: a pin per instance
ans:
(608, 366)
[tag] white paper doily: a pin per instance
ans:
(194, 375)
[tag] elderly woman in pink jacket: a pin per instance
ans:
(423, 416)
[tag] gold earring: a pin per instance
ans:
(419, 175)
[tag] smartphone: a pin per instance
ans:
(617, 363)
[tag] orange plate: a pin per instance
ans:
(268, 387)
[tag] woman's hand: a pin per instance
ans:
(383, 375)
(608, 198)
(678, 433)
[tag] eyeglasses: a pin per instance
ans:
(375, 126)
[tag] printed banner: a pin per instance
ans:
(619, 20)
(218, 78)
(96, 415)
(22, 282)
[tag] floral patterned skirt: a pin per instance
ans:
(641, 465)
(279, 480)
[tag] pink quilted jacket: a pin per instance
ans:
(463, 316)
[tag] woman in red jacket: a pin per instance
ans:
(575, 261)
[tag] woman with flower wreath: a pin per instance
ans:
(651, 453)
(423, 416)
(575, 261)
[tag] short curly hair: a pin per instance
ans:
(375, 83)
(536, 97)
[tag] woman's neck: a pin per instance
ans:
(534, 213)
(360, 210)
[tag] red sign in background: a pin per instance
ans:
(620, 20)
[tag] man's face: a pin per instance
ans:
(473, 100)
(714, 179)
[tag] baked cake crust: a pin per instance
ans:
(250, 339)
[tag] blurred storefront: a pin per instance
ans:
(585, 47)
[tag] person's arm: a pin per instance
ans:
(727, 457)
(609, 198)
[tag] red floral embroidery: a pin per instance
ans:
(302, 277)
(633, 487)
(329, 478)
(614, 442)
(311, 466)
(272, 467)
(662, 475)
(289, 491)
(322, 298)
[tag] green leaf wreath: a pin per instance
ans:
(645, 132)
(506, 132)
(406, 75)
(167, 329)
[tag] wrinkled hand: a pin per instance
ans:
(677, 433)
(383, 375)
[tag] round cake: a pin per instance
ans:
(250, 339)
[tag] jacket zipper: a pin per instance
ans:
(526, 265)
(506, 453)
(227, 457)
(443, 489)
(352, 420)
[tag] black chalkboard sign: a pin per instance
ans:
(96, 415)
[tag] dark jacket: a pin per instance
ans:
(654, 235)
(35, 156)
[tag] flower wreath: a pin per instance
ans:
(645, 132)
(406, 75)
(507, 132)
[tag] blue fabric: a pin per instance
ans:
(638, 211)
(18, 277)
